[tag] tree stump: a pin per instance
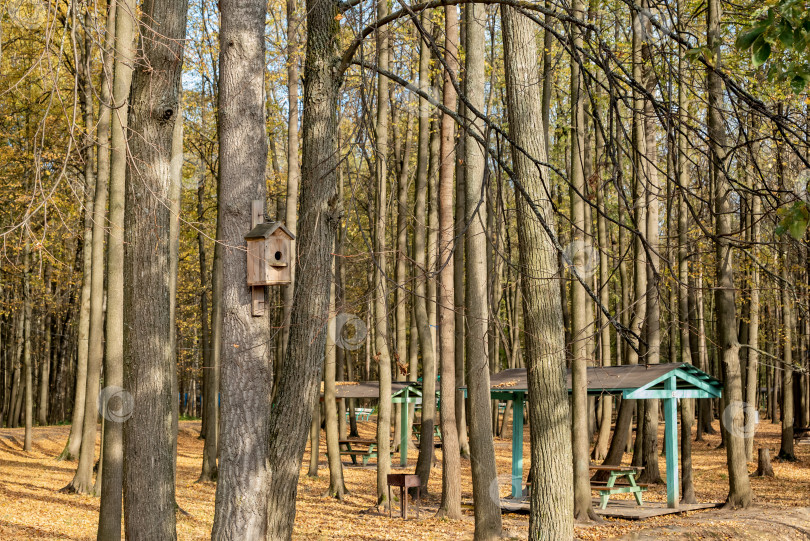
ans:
(764, 468)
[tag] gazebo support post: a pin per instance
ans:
(671, 433)
(403, 431)
(517, 445)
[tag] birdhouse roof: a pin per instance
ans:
(268, 229)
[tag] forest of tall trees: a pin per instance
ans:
(469, 187)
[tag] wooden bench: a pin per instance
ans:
(417, 431)
(626, 475)
(799, 433)
(360, 414)
(367, 453)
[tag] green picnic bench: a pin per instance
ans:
(626, 477)
(360, 414)
(367, 452)
(417, 432)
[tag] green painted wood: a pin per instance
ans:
(663, 393)
(671, 437)
(403, 431)
(517, 445)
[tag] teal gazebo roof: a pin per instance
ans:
(665, 381)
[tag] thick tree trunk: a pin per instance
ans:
(551, 515)
(246, 377)
(150, 435)
(316, 228)
(482, 448)
(726, 315)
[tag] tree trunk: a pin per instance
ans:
(293, 164)
(580, 308)
(316, 228)
(726, 315)
(45, 363)
(337, 487)
(246, 377)
(482, 448)
(764, 468)
(551, 515)
(381, 306)
(116, 404)
(27, 358)
(451, 462)
(150, 435)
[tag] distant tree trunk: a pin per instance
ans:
(337, 487)
(27, 359)
(687, 404)
(117, 405)
(482, 448)
(293, 165)
(726, 314)
(580, 308)
(752, 383)
(247, 374)
(91, 223)
(651, 473)
(150, 435)
(603, 237)
(451, 464)
(314, 439)
(210, 376)
(316, 238)
(45, 363)
(459, 351)
(764, 468)
(786, 451)
(381, 306)
(551, 515)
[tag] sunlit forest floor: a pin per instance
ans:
(31, 506)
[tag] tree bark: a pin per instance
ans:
(482, 448)
(316, 237)
(451, 462)
(726, 315)
(150, 435)
(246, 371)
(551, 514)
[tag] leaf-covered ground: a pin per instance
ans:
(31, 506)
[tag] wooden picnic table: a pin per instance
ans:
(366, 454)
(417, 431)
(627, 477)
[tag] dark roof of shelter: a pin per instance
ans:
(613, 379)
(369, 389)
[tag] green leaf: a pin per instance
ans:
(798, 226)
(786, 36)
(761, 54)
(797, 84)
(747, 39)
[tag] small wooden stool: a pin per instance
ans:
(404, 481)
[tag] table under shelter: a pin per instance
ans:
(666, 381)
(402, 392)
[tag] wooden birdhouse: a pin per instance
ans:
(268, 254)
